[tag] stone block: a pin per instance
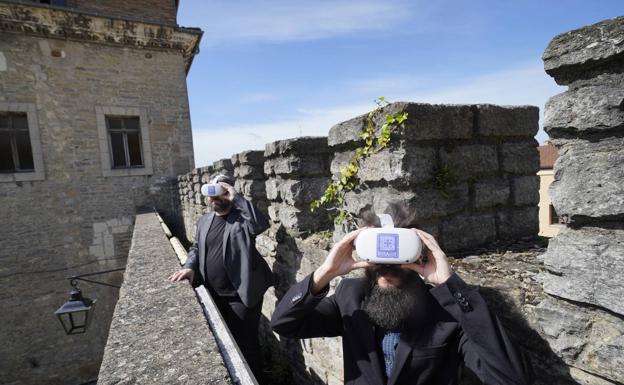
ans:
(254, 189)
(251, 157)
(424, 122)
(587, 265)
(525, 190)
(590, 108)
(205, 177)
(347, 132)
(411, 165)
(516, 223)
(300, 193)
(467, 231)
(520, 157)
(249, 172)
(469, 161)
(296, 221)
(223, 166)
(272, 189)
(433, 121)
(297, 166)
(499, 121)
(302, 145)
(491, 192)
(588, 180)
(570, 55)
(585, 338)
(423, 203)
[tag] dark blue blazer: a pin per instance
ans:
(459, 330)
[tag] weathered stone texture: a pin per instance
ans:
(448, 162)
(155, 11)
(593, 106)
(589, 180)
(470, 161)
(573, 55)
(587, 339)
(520, 158)
(587, 266)
(76, 220)
(491, 192)
(149, 339)
(585, 262)
(500, 121)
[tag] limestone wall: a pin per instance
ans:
(583, 316)
(75, 219)
(467, 171)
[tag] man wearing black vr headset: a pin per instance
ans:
(397, 328)
(225, 256)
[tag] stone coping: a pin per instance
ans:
(158, 334)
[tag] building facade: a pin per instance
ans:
(548, 219)
(94, 126)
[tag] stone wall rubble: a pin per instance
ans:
(583, 316)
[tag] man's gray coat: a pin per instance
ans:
(249, 274)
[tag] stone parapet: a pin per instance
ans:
(297, 172)
(454, 167)
(583, 317)
(149, 339)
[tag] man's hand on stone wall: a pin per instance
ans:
(181, 275)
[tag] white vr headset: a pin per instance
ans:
(388, 244)
(213, 188)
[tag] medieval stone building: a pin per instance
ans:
(94, 125)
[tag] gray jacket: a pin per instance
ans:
(249, 274)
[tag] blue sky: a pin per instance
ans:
(271, 70)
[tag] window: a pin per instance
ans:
(554, 218)
(124, 138)
(124, 135)
(15, 150)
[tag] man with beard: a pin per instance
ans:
(395, 328)
(225, 256)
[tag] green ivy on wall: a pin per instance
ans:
(333, 197)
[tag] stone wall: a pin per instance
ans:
(492, 186)
(583, 316)
(73, 218)
(468, 172)
(158, 334)
(155, 11)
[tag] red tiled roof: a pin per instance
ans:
(548, 155)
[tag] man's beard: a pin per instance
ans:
(393, 308)
(221, 206)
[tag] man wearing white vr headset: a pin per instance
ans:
(408, 321)
(225, 256)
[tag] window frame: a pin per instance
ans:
(106, 158)
(124, 131)
(37, 172)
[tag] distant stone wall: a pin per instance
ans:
(158, 334)
(583, 316)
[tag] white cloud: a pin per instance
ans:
(527, 84)
(230, 21)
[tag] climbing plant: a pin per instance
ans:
(333, 197)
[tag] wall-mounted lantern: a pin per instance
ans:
(76, 314)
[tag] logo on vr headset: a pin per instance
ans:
(387, 245)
